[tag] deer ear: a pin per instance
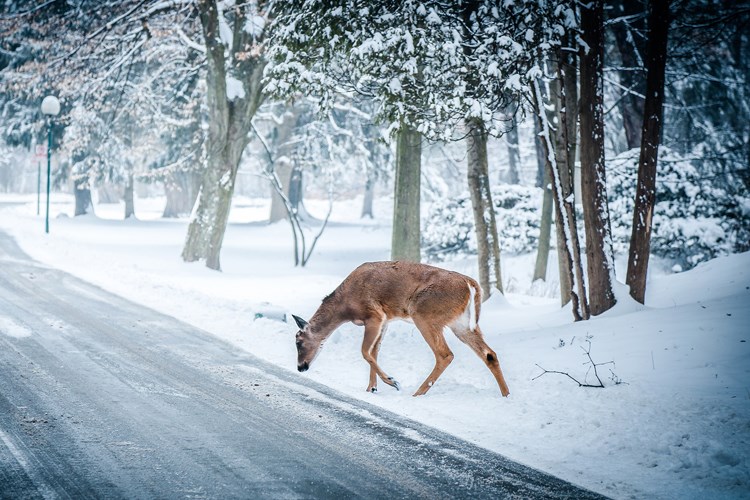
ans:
(301, 323)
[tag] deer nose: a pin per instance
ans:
(303, 367)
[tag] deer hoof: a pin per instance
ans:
(394, 383)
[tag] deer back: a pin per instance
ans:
(401, 290)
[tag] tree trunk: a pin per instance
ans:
(564, 259)
(82, 194)
(283, 168)
(645, 195)
(564, 215)
(599, 257)
(562, 154)
(567, 107)
(541, 169)
(567, 70)
(107, 193)
(207, 227)
(295, 188)
(406, 198)
(631, 105)
(128, 196)
(229, 122)
(488, 246)
(545, 230)
(514, 158)
(369, 195)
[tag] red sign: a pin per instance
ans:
(40, 152)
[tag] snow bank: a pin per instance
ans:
(678, 426)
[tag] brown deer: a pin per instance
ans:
(378, 292)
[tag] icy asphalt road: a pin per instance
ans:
(103, 398)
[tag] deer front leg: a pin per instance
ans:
(374, 331)
(373, 385)
(433, 334)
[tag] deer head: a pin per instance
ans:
(307, 345)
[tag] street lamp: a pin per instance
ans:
(50, 107)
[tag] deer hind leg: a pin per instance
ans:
(374, 331)
(433, 334)
(475, 340)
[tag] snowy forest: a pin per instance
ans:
(227, 163)
(509, 118)
(622, 125)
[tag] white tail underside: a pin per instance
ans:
(472, 308)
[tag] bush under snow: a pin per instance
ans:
(449, 228)
(698, 215)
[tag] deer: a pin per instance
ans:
(376, 293)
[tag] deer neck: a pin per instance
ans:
(327, 318)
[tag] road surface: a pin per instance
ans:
(103, 398)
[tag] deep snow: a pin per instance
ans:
(677, 427)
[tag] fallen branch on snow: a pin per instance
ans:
(592, 365)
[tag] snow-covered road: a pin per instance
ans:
(100, 397)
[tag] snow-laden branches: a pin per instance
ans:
(430, 65)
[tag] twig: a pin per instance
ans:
(592, 365)
(301, 256)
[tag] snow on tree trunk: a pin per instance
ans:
(488, 246)
(406, 197)
(565, 168)
(230, 117)
(599, 254)
(564, 215)
(209, 222)
(545, 225)
(645, 194)
(569, 101)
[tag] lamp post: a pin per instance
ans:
(50, 107)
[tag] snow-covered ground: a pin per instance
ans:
(678, 426)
